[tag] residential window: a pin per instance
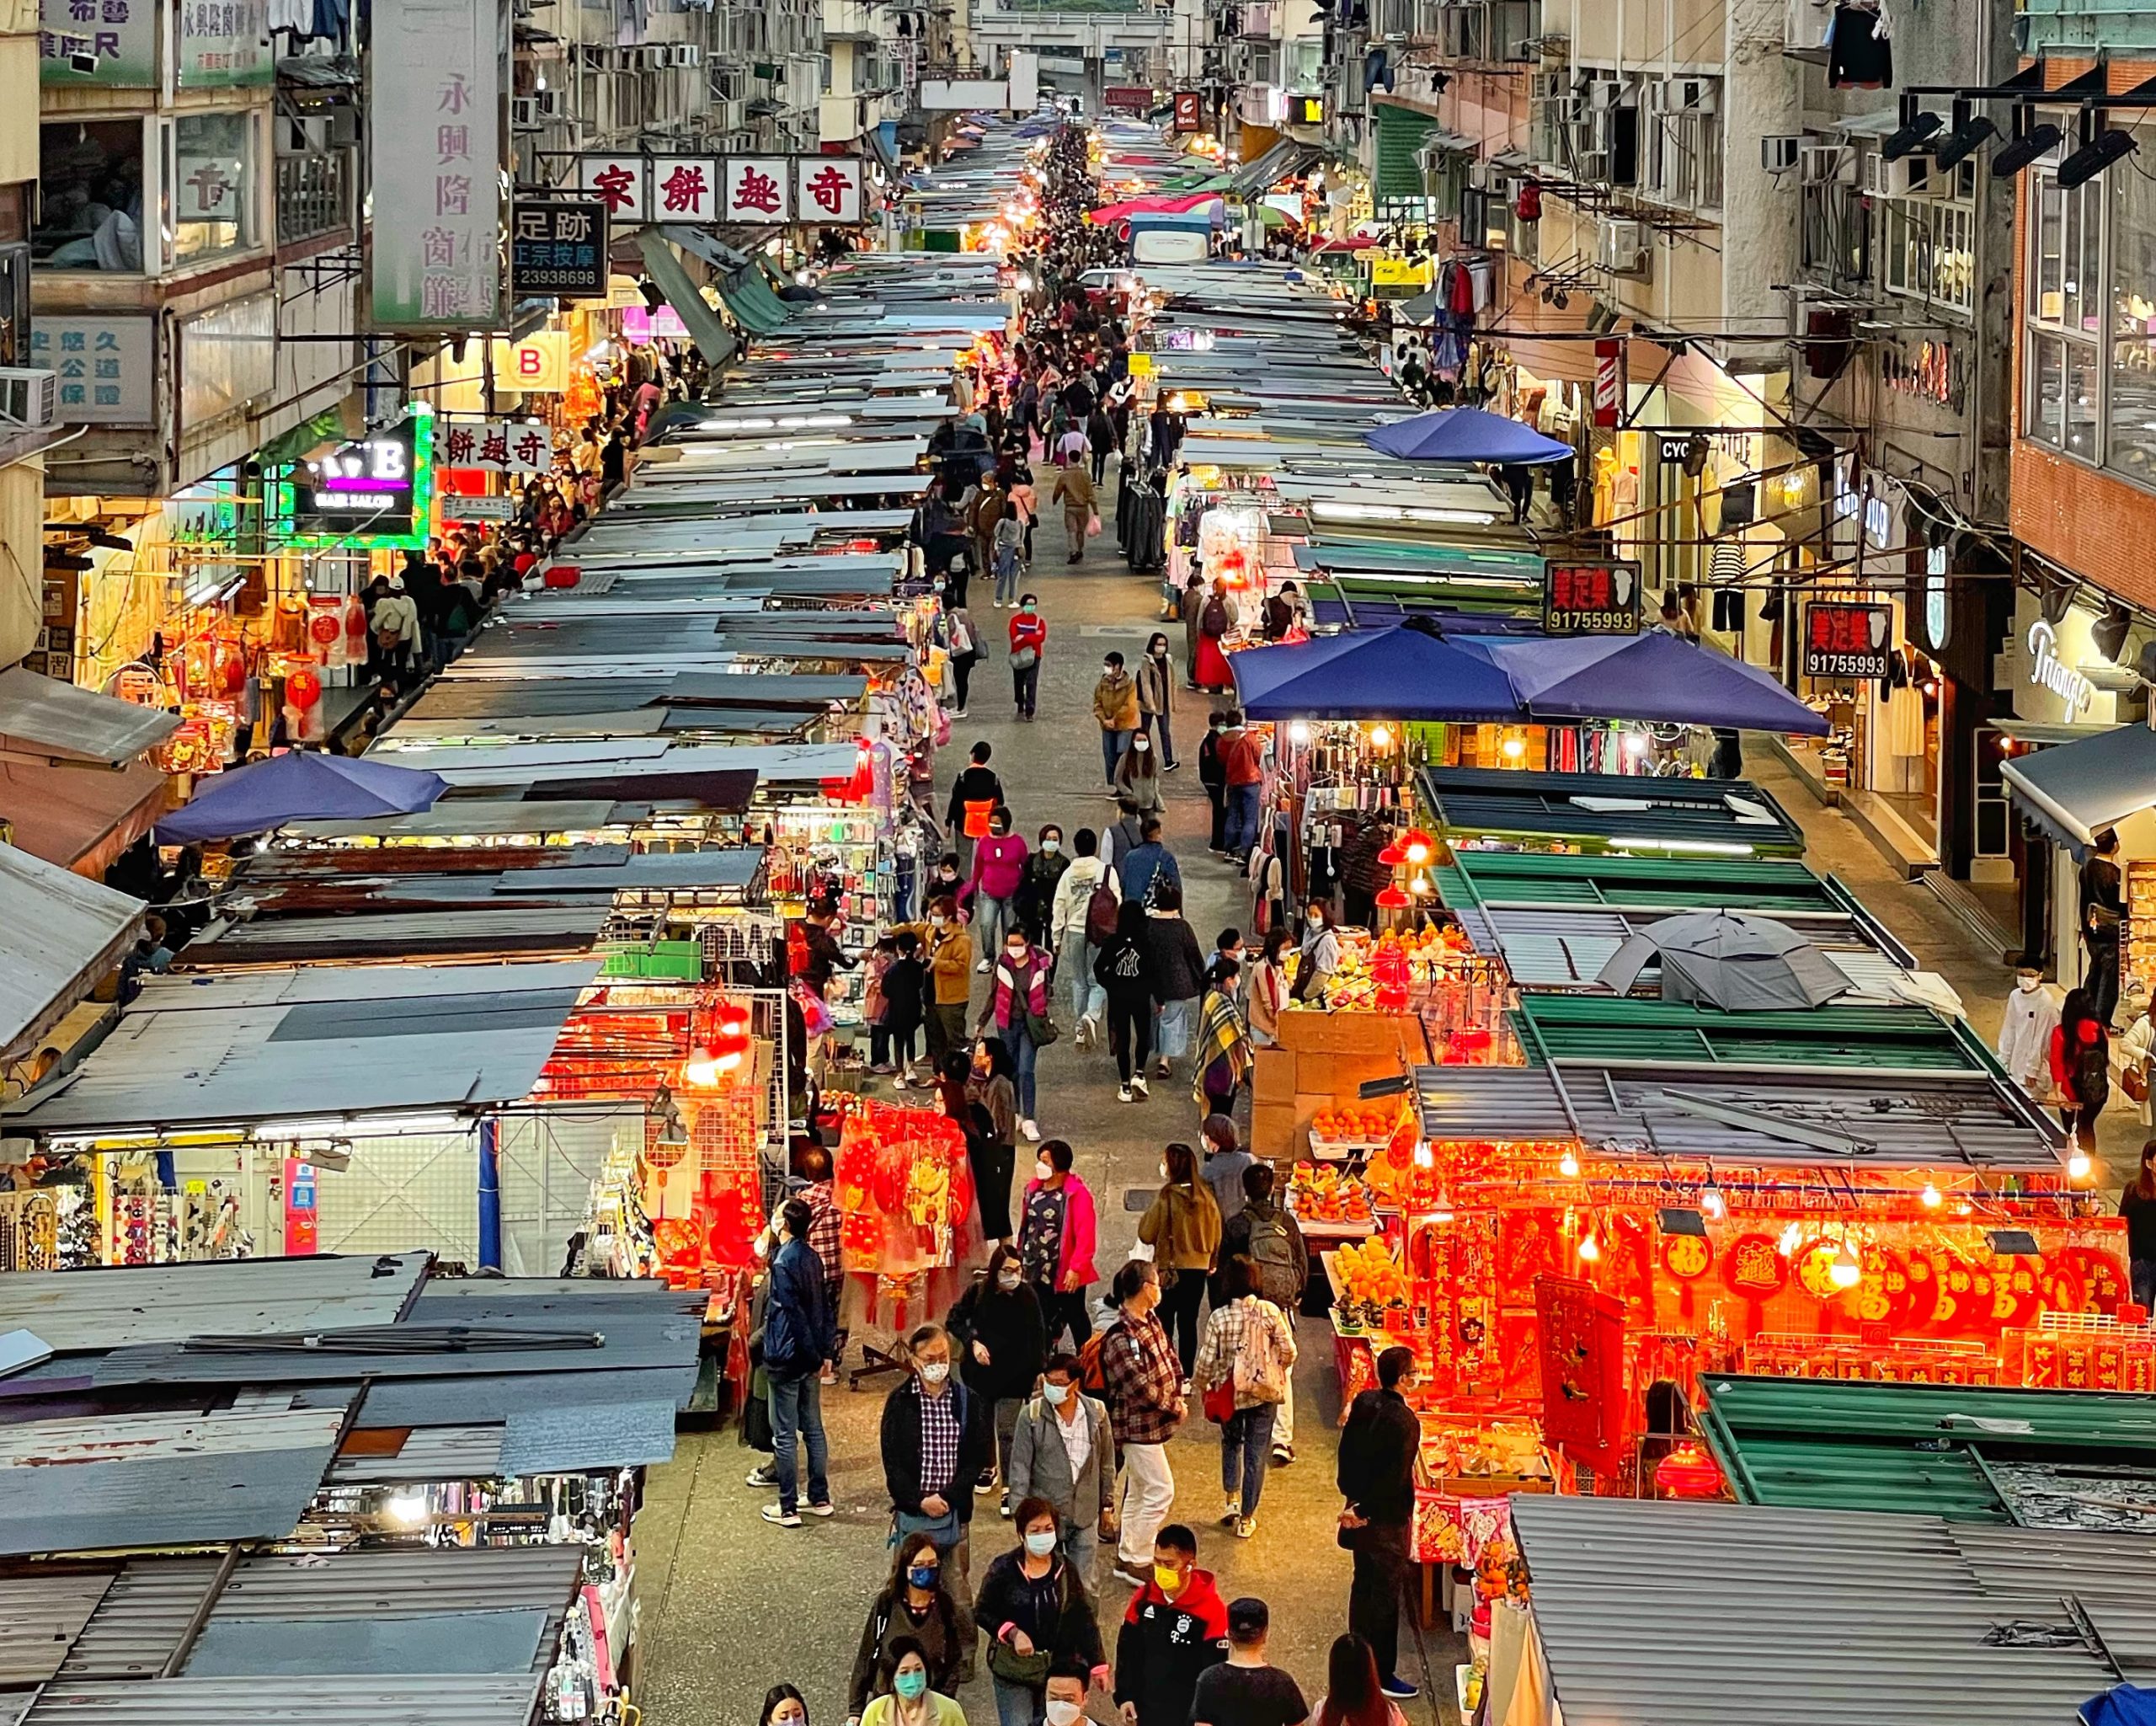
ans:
(1928, 250)
(213, 185)
(2130, 410)
(90, 203)
(2065, 273)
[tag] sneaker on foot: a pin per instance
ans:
(986, 1483)
(1233, 1510)
(1171, 766)
(1123, 1093)
(1138, 1084)
(900, 1083)
(1090, 1028)
(1246, 1526)
(781, 1517)
(1124, 1572)
(1283, 1455)
(1399, 1687)
(826, 1509)
(1003, 1510)
(1032, 1131)
(762, 1477)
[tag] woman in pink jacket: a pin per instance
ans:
(991, 895)
(1017, 1005)
(1055, 1244)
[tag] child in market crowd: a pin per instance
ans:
(904, 984)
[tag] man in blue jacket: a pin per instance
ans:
(798, 1338)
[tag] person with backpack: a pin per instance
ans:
(1129, 977)
(1241, 1375)
(1058, 1227)
(1082, 921)
(1138, 1376)
(2081, 1067)
(1149, 862)
(1212, 776)
(1267, 1236)
(1064, 1451)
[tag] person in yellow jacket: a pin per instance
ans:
(1115, 705)
(1183, 1226)
(1074, 490)
(949, 945)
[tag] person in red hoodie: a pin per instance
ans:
(1176, 1627)
(1028, 636)
(991, 895)
(2081, 1067)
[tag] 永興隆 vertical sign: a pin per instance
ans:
(224, 43)
(434, 137)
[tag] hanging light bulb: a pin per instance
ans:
(1711, 1203)
(1568, 1165)
(1513, 747)
(1381, 736)
(1418, 846)
(1590, 1248)
(1845, 1272)
(1930, 1197)
(2077, 1165)
(1790, 1237)
(1299, 732)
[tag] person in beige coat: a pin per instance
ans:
(1074, 490)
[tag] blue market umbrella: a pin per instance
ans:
(299, 787)
(1410, 672)
(1654, 676)
(1466, 434)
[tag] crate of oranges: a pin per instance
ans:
(1338, 1133)
(1367, 1282)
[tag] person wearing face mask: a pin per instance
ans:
(1000, 1338)
(907, 1699)
(1138, 777)
(1156, 684)
(1044, 872)
(950, 947)
(1034, 1610)
(976, 794)
(1175, 1630)
(798, 1337)
(1064, 1701)
(912, 1603)
(1080, 922)
(783, 1706)
(1144, 1382)
(1018, 1008)
(991, 1121)
(1115, 709)
(1056, 1242)
(1028, 640)
(1319, 956)
(1062, 1450)
(1378, 1448)
(2024, 1032)
(991, 896)
(936, 1440)
(1183, 1226)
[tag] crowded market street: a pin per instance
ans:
(1013, 918)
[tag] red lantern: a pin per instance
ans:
(1527, 206)
(1688, 1471)
(355, 626)
(230, 676)
(322, 629)
(303, 689)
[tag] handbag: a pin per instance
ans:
(1040, 1030)
(1012, 1667)
(1024, 659)
(1219, 1401)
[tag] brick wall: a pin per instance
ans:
(2081, 518)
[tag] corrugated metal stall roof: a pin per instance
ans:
(312, 1041)
(344, 1700)
(1833, 1444)
(1624, 1032)
(139, 1481)
(78, 1310)
(1681, 817)
(1702, 1614)
(1550, 880)
(63, 934)
(1939, 1119)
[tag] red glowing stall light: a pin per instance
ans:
(561, 575)
(1418, 846)
(718, 1060)
(1394, 898)
(1392, 856)
(1688, 1471)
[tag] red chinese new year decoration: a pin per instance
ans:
(1688, 1471)
(303, 689)
(561, 576)
(1754, 1268)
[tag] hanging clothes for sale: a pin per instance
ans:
(1605, 488)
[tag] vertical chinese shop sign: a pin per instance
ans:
(434, 127)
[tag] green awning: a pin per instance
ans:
(711, 337)
(1621, 1031)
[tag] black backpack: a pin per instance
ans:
(1272, 1257)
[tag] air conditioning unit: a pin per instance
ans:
(548, 104)
(30, 396)
(686, 54)
(734, 116)
(1623, 247)
(1911, 177)
(1780, 152)
(1827, 164)
(523, 114)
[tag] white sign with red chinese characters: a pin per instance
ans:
(827, 189)
(620, 180)
(496, 446)
(209, 189)
(757, 188)
(685, 188)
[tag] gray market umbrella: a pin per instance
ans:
(1739, 964)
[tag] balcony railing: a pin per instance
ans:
(314, 196)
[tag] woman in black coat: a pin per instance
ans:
(1000, 1335)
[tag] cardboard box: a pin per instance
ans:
(1273, 1132)
(1272, 1079)
(1340, 1077)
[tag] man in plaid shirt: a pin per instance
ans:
(814, 1163)
(1145, 1406)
